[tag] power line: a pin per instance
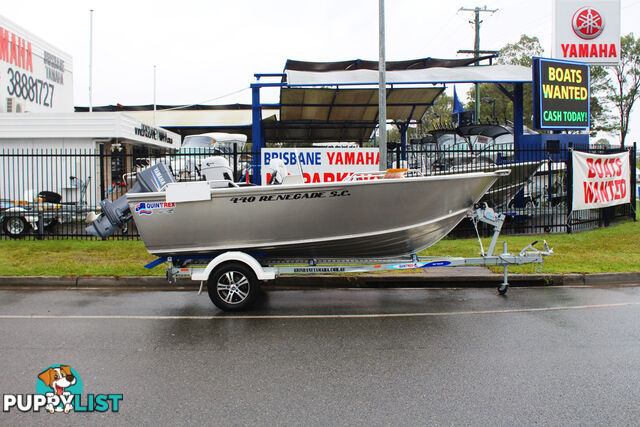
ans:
(207, 100)
(476, 46)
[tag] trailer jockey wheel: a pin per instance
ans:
(233, 286)
(15, 226)
(502, 289)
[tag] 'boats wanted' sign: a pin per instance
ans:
(600, 180)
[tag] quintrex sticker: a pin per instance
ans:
(291, 196)
(146, 208)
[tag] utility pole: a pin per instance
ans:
(154, 97)
(90, 60)
(476, 47)
(382, 91)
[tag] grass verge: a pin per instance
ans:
(611, 249)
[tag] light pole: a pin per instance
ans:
(382, 92)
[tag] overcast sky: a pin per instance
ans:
(204, 50)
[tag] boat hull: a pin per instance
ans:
(380, 218)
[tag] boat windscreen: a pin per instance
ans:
(199, 141)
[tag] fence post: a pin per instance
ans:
(101, 154)
(569, 179)
(634, 181)
(235, 162)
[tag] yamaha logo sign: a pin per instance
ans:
(587, 32)
(587, 23)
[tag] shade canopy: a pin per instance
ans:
(338, 101)
(434, 75)
(343, 114)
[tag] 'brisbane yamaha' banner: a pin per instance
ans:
(322, 164)
(600, 180)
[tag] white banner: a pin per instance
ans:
(600, 180)
(319, 164)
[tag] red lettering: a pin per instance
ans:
(22, 60)
(612, 51)
(565, 49)
(607, 170)
(29, 66)
(619, 165)
(339, 160)
(331, 155)
(603, 50)
(377, 158)
(584, 50)
(592, 170)
(573, 52)
(14, 54)
(594, 51)
(360, 159)
(602, 191)
(316, 177)
(329, 177)
(349, 157)
(4, 44)
(341, 176)
(307, 178)
(598, 165)
(589, 194)
(15, 50)
(370, 158)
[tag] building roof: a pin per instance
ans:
(85, 125)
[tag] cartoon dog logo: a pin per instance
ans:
(58, 379)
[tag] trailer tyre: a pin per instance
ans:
(15, 226)
(233, 286)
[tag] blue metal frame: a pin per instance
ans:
(258, 134)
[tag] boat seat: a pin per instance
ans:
(394, 173)
(293, 180)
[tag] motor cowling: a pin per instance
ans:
(116, 214)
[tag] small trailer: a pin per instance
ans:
(233, 278)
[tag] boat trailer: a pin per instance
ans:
(234, 277)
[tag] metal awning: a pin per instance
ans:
(343, 114)
(441, 75)
(338, 101)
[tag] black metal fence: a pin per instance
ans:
(52, 194)
(535, 197)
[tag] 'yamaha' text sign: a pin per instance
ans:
(560, 94)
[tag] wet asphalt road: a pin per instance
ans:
(365, 356)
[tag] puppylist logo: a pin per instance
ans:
(59, 390)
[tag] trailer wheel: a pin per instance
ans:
(15, 226)
(233, 286)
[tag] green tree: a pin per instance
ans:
(623, 87)
(601, 117)
(439, 113)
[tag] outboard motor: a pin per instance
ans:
(116, 214)
(216, 168)
(277, 170)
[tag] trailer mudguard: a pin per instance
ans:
(242, 257)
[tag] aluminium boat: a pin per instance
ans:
(360, 218)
